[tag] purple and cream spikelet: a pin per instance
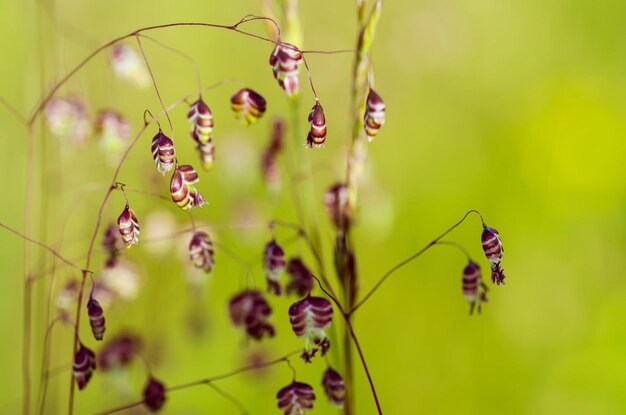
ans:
(338, 205)
(163, 152)
(201, 120)
(317, 134)
(309, 318)
(201, 251)
(374, 114)
(474, 290)
(83, 366)
(492, 245)
(295, 398)
(301, 280)
(248, 106)
(96, 318)
(154, 395)
(128, 226)
(250, 310)
(285, 60)
(111, 243)
(68, 119)
(182, 188)
(334, 387)
(206, 151)
(118, 351)
(273, 266)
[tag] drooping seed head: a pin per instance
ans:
(295, 398)
(309, 318)
(338, 205)
(163, 152)
(129, 66)
(492, 245)
(111, 243)
(248, 106)
(118, 351)
(68, 119)
(317, 134)
(251, 311)
(334, 387)
(285, 60)
(113, 131)
(201, 251)
(474, 290)
(301, 280)
(374, 114)
(83, 366)
(182, 188)
(128, 226)
(96, 318)
(206, 151)
(154, 395)
(273, 265)
(201, 120)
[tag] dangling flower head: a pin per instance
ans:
(474, 290)
(128, 226)
(154, 395)
(113, 131)
(250, 310)
(118, 351)
(309, 318)
(207, 154)
(337, 204)
(248, 106)
(301, 280)
(163, 152)
(295, 398)
(201, 251)
(68, 119)
(129, 66)
(285, 60)
(334, 387)
(374, 114)
(96, 318)
(201, 120)
(317, 135)
(492, 245)
(83, 366)
(182, 188)
(273, 265)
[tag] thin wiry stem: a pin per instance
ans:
(18, 115)
(457, 246)
(409, 259)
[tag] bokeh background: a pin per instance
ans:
(515, 108)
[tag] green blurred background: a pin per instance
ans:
(516, 108)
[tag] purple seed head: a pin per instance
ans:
(248, 106)
(309, 318)
(119, 351)
(338, 205)
(128, 226)
(201, 251)
(83, 366)
(334, 387)
(492, 245)
(251, 311)
(295, 398)
(301, 280)
(201, 120)
(273, 265)
(285, 60)
(154, 395)
(374, 114)
(317, 134)
(474, 290)
(163, 152)
(182, 188)
(96, 318)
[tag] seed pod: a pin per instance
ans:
(317, 135)
(250, 310)
(334, 387)
(129, 66)
(201, 251)
(248, 106)
(301, 280)
(374, 114)
(273, 265)
(492, 245)
(163, 152)
(474, 290)
(83, 366)
(68, 119)
(295, 398)
(337, 204)
(201, 120)
(96, 318)
(154, 395)
(182, 188)
(118, 351)
(207, 154)
(309, 317)
(128, 226)
(285, 59)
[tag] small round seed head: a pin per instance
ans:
(83, 366)
(273, 265)
(334, 387)
(128, 226)
(338, 205)
(248, 106)
(285, 60)
(474, 290)
(201, 120)
(119, 351)
(295, 398)
(154, 395)
(251, 311)
(182, 188)
(201, 251)
(374, 114)
(492, 245)
(163, 152)
(309, 318)
(68, 119)
(301, 280)
(206, 151)
(317, 134)
(96, 318)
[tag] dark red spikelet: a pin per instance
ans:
(182, 188)
(269, 164)
(301, 280)
(154, 395)
(334, 387)
(273, 265)
(201, 120)
(309, 318)
(248, 106)
(492, 245)
(295, 398)
(374, 114)
(111, 243)
(83, 366)
(163, 152)
(128, 226)
(474, 290)
(285, 60)
(317, 134)
(96, 318)
(201, 251)
(250, 310)
(338, 205)
(118, 351)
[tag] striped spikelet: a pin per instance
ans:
(163, 152)
(248, 106)
(317, 134)
(374, 114)
(201, 251)
(295, 398)
(201, 120)
(285, 60)
(182, 188)
(474, 290)
(96, 318)
(128, 226)
(83, 366)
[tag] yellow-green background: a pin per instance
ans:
(515, 108)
